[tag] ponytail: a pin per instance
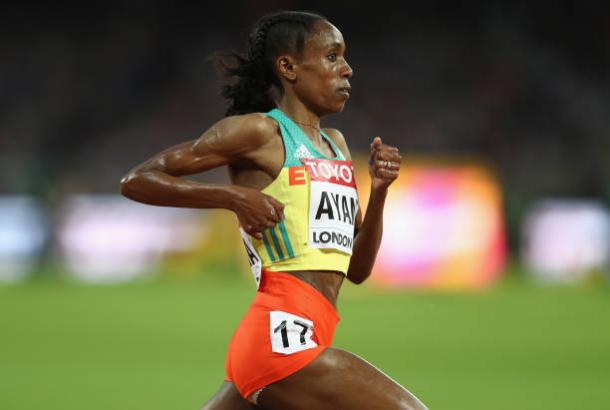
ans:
(252, 76)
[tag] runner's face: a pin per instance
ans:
(322, 73)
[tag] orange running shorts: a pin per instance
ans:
(287, 326)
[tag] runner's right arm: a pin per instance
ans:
(239, 138)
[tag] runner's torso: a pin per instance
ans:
(313, 242)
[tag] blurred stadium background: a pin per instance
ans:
(492, 288)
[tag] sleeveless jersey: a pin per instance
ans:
(320, 207)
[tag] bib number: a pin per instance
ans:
(333, 204)
(290, 333)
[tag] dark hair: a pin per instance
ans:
(273, 34)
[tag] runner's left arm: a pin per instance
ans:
(384, 164)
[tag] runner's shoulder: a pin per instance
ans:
(339, 140)
(255, 128)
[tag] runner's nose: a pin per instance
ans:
(347, 71)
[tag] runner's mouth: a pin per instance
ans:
(345, 90)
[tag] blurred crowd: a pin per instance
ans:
(89, 92)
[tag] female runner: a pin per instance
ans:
(294, 196)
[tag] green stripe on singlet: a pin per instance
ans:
(276, 242)
(286, 239)
(268, 246)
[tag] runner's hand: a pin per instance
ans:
(384, 164)
(256, 211)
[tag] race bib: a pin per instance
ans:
(253, 257)
(290, 333)
(333, 204)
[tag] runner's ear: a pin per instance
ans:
(285, 65)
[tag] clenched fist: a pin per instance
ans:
(384, 164)
(256, 211)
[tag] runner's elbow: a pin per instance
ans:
(356, 280)
(127, 184)
(131, 185)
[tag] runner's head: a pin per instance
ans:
(299, 54)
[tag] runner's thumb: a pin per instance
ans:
(376, 143)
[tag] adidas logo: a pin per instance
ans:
(302, 152)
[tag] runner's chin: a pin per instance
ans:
(343, 96)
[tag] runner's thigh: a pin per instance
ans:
(228, 398)
(337, 380)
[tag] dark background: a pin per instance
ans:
(89, 91)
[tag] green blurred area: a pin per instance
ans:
(160, 343)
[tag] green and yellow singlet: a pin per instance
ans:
(320, 207)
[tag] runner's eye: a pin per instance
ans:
(332, 57)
